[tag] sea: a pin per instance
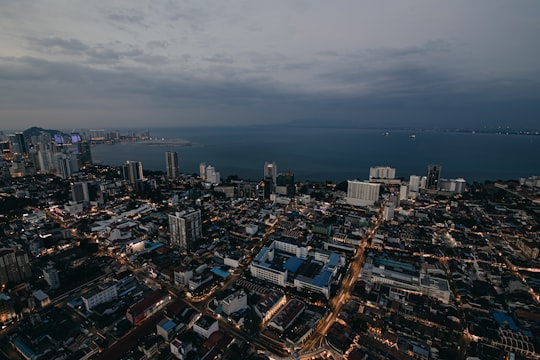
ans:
(333, 154)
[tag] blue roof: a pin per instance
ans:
(333, 260)
(168, 326)
(293, 264)
(502, 318)
(22, 347)
(150, 246)
(322, 279)
(261, 254)
(221, 273)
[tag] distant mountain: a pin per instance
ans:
(35, 131)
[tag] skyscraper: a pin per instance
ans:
(171, 163)
(18, 143)
(84, 153)
(79, 192)
(202, 170)
(270, 178)
(185, 229)
(132, 171)
(285, 184)
(433, 176)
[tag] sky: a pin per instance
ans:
(392, 63)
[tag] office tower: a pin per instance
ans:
(63, 165)
(381, 172)
(132, 171)
(171, 163)
(79, 192)
(270, 178)
(414, 183)
(18, 143)
(14, 266)
(433, 176)
(361, 193)
(285, 184)
(185, 229)
(202, 170)
(84, 153)
(212, 176)
(460, 185)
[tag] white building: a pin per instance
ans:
(212, 176)
(361, 193)
(388, 213)
(100, 294)
(381, 172)
(206, 326)
(261, 267)
(234, 302)
(182, 275)
(180, 349)
(50, 274)
(403, 192)
(291, 247)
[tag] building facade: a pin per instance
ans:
(361, 193)
(171, 164)
(185, 229)
(433, 176)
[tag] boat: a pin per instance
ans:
(412, 136)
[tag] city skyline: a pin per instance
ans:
(360, 63)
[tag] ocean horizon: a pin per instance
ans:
(333, 153)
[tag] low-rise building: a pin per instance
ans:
(100, 294)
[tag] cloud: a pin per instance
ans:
(314, 59)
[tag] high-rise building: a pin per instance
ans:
(185, 229)
(171, 163)
(14, 265)
(79, 192)
(63, 165)
(84, 153)
(50, 274)
(18, 143)
(202, 170)
(212, 176)
(433, 176)
(381, 172)
(132, 171)
(285, 184)
(361, 193)
(270, 178)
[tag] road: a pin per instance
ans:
(344, 293)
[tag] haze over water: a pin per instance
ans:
(335, 154)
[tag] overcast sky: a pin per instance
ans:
(72, 64)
